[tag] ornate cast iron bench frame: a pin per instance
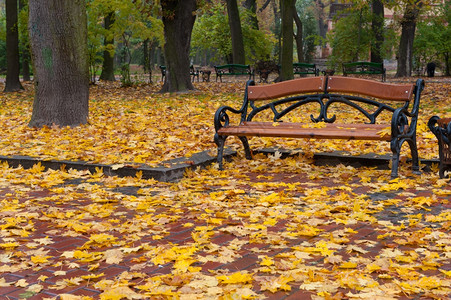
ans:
(364, 68)
(367, 97)
(442, 130)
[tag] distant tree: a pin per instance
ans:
(251, 6)
(236, 32)
(58, 36)
(24, 42)
(298, 36)
(408, 26)
(350, 38)
(178, 22)
(108, 52)
(433, 39)
(12, 48)
(211, 34)
(306, 12)
(286, 54)
(377, 26)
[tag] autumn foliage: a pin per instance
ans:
(269, 227)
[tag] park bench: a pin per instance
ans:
(192, 72)
(303, 69)
(364, 68)
(233, 70)
(276, 110)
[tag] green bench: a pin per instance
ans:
(305, 69)
(364, 68)
(233, 70)
(192, 72)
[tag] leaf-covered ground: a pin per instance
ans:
(261, 229)
(136, 125)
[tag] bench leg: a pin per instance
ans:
(220, 142)
(414, 153)
(395, 149)
(247, 149)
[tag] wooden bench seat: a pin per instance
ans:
(365, 98)
(295, 130)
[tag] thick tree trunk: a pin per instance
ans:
(58, 36)
(298, 36)
(108, 56)
(405, 51)
(178, 21)
(236, 32)
(26, 59)
(286, 72)
(377, 25)
(12, 48)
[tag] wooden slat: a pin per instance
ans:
(285, 88)
(397, 92)
(330, 131)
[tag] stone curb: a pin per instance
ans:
(175, 169)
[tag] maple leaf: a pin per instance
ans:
(236, 277)
(275, 284)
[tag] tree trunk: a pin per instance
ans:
(277, 28)
(405, 51)
(377, 25)
(298, 37)
(12, 48)
(26, 59)
(146, 63)
(108, 53)
(178, 21)
(286, 72)
(251, 5)
(236, 32)
(58, 36)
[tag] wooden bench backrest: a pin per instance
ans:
(285, 88)
(335, 84)
(396, 92)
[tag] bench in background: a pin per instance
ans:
(233, 70)
(364, 68)
(274, 110)
(192, 72)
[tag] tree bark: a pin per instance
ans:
(178, 21)
(298, 36)
(377, 25)
(58, 36)
(108, 56)
(405, 51)
(12, 48)
(286, 72)
(236, 32)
